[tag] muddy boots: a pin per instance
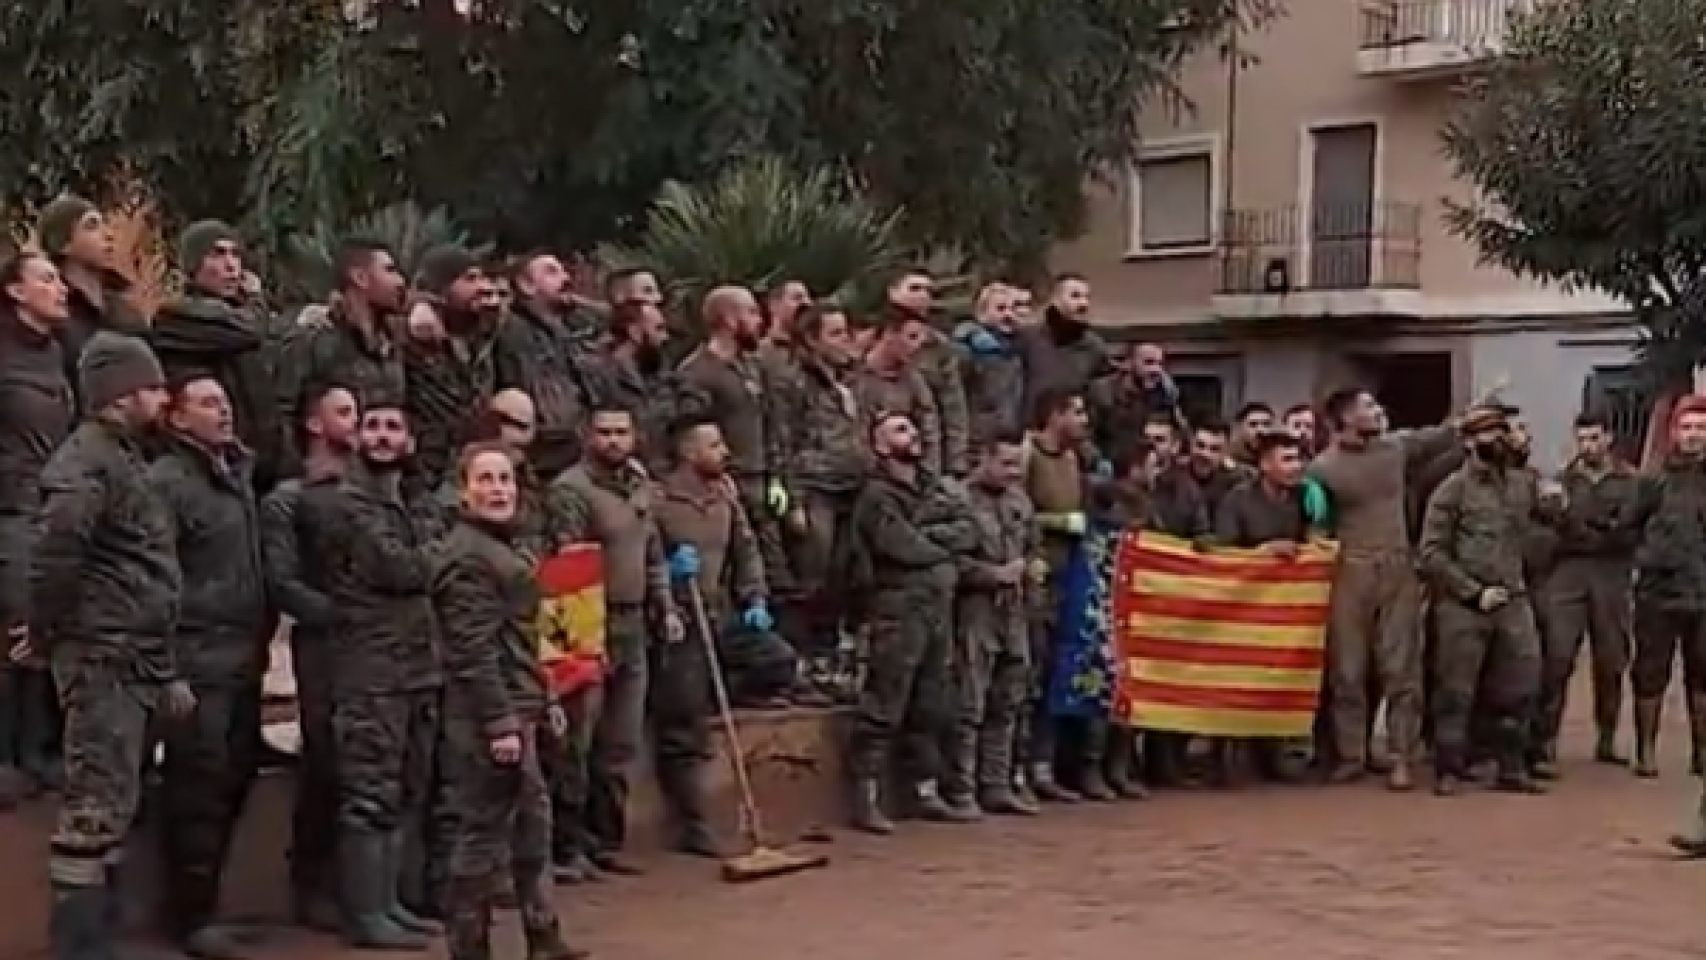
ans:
(538, 917)
(1607, 708)
(684, 791)
(400, 915)
(370, 890)
(1512, 756)
(1648, 712)
(1121, 766)
(82, 925)
(959, 788)
(868, 815)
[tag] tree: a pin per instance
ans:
(1585, 143)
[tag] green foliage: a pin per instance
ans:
(308, 273)
(555, 122)
(1585, 142)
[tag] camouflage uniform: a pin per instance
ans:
(220, 646)
(1670, 600)
(823, 431)
(994, 375)
(37, 411)
(1588, 592)
(905, 536)
(104, 588)
(1473, 537)
(486, 594)
(702, 515)
(614, 509)
(370, 559)
(907, 393)
(541, 356)
(448, 383)
(991, 656)
(314, 816)
(326, 348)
(1119, 405)
(939, 365)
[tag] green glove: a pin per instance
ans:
(1316, 508)
(776, 498)
(1073, 524)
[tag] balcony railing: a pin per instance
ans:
(1326, 246)
(1478, 27)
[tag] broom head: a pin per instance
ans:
(762, 863)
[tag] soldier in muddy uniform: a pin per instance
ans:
(889, 381)
(991, 662)
(824, 432)
(633, 362)
(1587, 591)
(905, 534)
(205, 478)
(1472, 551)
(1670, 583)
(990, 364)
(37, 411)
(104, 593)
(607, 499)
(369, 557)
(486, 594)
(452, 370)
(327, 438)
(711, 550)
(541, 354)
(910, 297)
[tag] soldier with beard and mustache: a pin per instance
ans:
(349, 340)
(823, 429)
(723, 382)
(633, 372)
(910, 297)
(994, 372)
(1063, 352)
(327, 437)
(782, 307)
(451, 366)
(542, 353)
(367, 554)
(888, 381)
(214, 328)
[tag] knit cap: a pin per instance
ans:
(58, 223)
(199, 239)
(442, 266)
(114, 366)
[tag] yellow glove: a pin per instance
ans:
(776, 498)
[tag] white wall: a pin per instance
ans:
(1545, 371)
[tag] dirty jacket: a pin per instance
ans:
(1251, 516)
(736, 396)
(204, 334)
(486, 596)
(1477, 530)
(115, 313)
(1004, 530)
(1595, 523)
(104, 579)
(1119, 406)
(1670, 520)
(994, 375)
(541, 356)
(1064, 358)
(903, 392)
(530, 534)
(939, 364)
(1178, 505)
(37, 412)
(707, 517)
(326, 348)
(448, 383)
(640, 392)
(591, 503)
(910, 533)
(364, 550)
(224, 618)
(823, 430)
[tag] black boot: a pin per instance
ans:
(80, 925)
(369, 886)
(684, 791)
(868, 814)
(400, 915)
(470, 924)
(1649, 712)
(538, 917)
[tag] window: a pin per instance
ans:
(1623, 397)
(1173, 201)
(1202, 397)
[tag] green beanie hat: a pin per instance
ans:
(113, 366)
(58, 222)
(442, 266)
(199, 239)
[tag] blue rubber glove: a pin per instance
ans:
(1104, 469)
(757, 618)
(684, 562)
(984, 343)
(1316, 507)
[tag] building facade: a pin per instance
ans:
(1285, 235)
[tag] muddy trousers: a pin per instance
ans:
(811, 619)
(679, 706)
(314, 810)
(210, 761)
(1507, 645)
(620, 731)
(989, 694)
(567, 765)
(905, 699)
(107, 717)
(1585, 596)
(1373, 629)
(386, 746)
(29, 721)
(1659, 636)
(504, 820)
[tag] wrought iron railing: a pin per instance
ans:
(1470, 24)
(1329, 245)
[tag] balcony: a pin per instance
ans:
(1419, 40)
(1327, 259)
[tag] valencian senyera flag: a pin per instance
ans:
(1227, 643)
(571, 618)
(1082, 683)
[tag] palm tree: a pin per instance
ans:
(407, 229)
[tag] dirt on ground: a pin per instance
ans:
(1264, 873)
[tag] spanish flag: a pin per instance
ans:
(571, 618)
(1229, 643)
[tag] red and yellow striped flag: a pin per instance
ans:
(1223, 644)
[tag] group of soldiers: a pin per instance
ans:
(387, 470)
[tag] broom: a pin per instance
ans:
(760, 861)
